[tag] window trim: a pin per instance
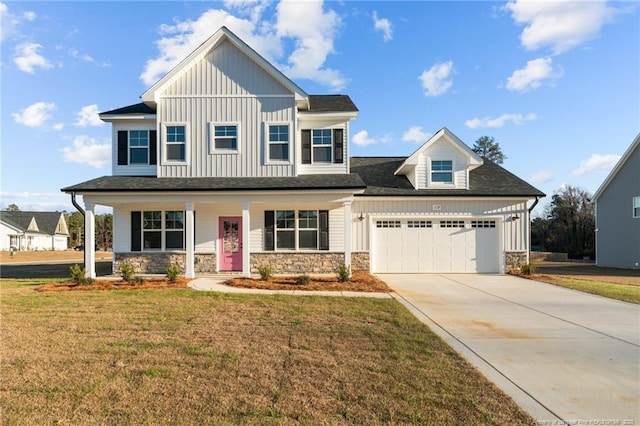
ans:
(163, 230)
(635, 212)
(165, 143)
(270, 242)
(268, 143)
(122, 150)
(212, 137)
(432, 172)
(130, 147)
(329, 146)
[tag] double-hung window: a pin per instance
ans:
(224, 138)
(176, 142)
(278, 142)
(321, 145)
(138, 147)
(296, 230)
(152, 230)
(636, 207)
(157, 230)
(442, 171)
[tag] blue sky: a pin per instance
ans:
(557, 84)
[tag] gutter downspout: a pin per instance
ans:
(533, 206)
(82, 212)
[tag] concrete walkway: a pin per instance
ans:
(214, 283)
(564, 356)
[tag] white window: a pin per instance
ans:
(138, 147)
(175, 139)
(636, 207)
(322, 145)
(285, 229)
(278, 142)
(155, 224)
(306, 231)
(225, 138)
(442, 171)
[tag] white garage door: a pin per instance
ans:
(413, 246)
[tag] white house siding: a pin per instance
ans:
(515, 232)
(225, 87)
(306, 122)
(441, 150)
(134, 170)
(5, 236)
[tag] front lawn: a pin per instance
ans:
(625, 292)
(177, 356)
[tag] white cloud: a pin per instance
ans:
(307, 24)
(86, 58)
(35, 115)
(29, 16)
(362, 139)
(559, 24)
(500, 121)
(383, 25)
(88, 116)
(8, 22)
(596, 164)
(27, 58)
(36, 201)
(436, 80)
(58, 126)
(416, 134)
(541, 177)
(86, 150)
(533, 75)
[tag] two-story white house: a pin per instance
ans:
(227, 165)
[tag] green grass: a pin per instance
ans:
(626, 293)
(179, 356)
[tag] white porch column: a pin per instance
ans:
(89, 240)
(246, 252)
(189, 241)
(347, 233)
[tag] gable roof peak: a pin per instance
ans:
(619, 165)
(222, 34)
(448, 136)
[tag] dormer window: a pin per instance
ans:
(323, 146)
(136, 147)
(442, 171)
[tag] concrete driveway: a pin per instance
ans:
(563, 355)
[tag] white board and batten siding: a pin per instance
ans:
(439, 235)
(226, 87)
(305, 123)
(442, 151)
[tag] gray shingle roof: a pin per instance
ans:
(47, 221)
(487, 180)
(198, 184)
(331, 103)
(140, 108)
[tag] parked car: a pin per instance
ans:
(81, 248)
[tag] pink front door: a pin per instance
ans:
(230, 244)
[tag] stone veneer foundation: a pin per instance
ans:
(156, 263)
(514, 260)
(300, 263)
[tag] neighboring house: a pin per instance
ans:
(227, 165)
(33, 231)
(618, 213)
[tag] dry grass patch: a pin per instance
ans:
(104, 284)
(183, 357)
(360, 281)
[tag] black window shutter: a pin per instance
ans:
(153, 147)
(123, 145)
(324, 229)
(306, 147)
(269, 230)
(338, 146)
(136, 231)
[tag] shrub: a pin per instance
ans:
(303, 279)
(528, 269)
(173, 272)
(265, 271)
(77, 273)
(343, 273)
(127, 271)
